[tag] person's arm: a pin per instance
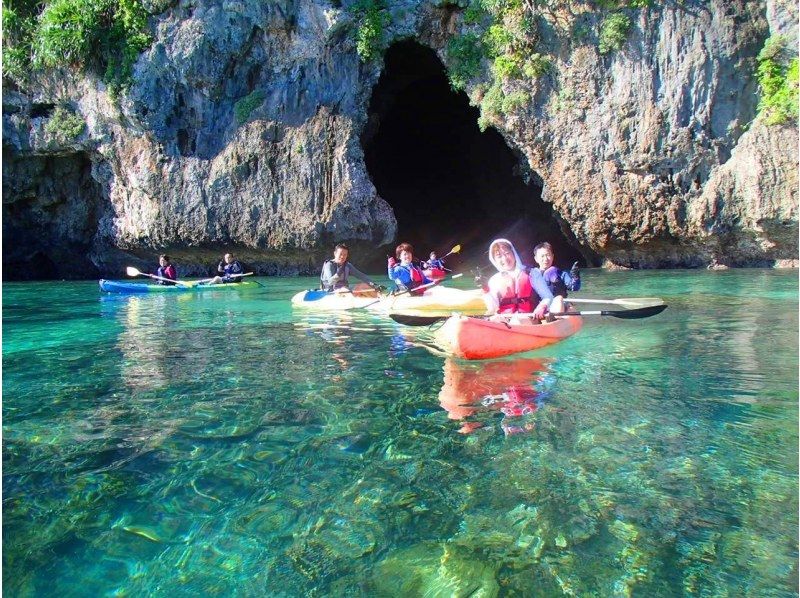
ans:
(360, 275)
(236, 267)
(490, 295)
(221, 267)
(170, 272)
(540, 287)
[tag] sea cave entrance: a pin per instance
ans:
(448, 182)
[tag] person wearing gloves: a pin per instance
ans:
(336, 272)
(512, 289)
(405, 274)
(559, 281)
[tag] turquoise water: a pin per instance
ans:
(223, 444)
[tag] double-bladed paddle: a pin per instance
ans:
(205, 280)
(131, 271)
(628, 303)
(624, 314)
(455, 249)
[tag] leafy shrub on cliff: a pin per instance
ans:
(613, 32)
(19, 24)
(464, 56)
(103, 35)
(778, 78)
(372, 18)
(245, 106)
(64, 125)
(537, 65)
(496, 102)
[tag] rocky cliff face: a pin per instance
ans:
(242, 130)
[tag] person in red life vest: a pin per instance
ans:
(512, 290)
(405, 274)
(165, 270)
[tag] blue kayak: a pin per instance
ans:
(124, 286)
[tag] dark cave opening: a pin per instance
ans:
(448, 182)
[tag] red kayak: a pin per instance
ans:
(434, 273)
(480, 338)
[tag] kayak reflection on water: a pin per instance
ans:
(511, 387)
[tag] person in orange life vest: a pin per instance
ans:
(512, 289)
(165, 270)
(405, 274)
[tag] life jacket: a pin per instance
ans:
(341, 271)
(516, 294)
(233, 268)
(558, 287)
(554, 278)
(166, 272)
(416, 278)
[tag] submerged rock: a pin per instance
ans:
(433, 570)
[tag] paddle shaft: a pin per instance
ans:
(415, 289)
(625, 314)
(634, 301)
(154, 277)
(230, 276)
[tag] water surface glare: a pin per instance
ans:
(224, 444)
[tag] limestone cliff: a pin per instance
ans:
(243, 127)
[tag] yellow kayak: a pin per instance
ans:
(435, 299)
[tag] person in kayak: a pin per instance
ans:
(512, 289)
(335, 272)
(166, 270)
(226, 269)
(433, 263)
(559, 281)
(405, 275)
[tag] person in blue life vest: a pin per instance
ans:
(336, 273)
(165, 270)
(433, 262)
(229, 270)
(559, 281)
(403, 272)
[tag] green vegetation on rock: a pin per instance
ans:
(372, 17)
(245, 106)
(105, 36)
(778, 77)
(64, 125)
(464, 55)
(614, 32)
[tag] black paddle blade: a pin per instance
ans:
(417, 320)
(636, 314)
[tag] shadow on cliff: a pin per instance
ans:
(448, 182)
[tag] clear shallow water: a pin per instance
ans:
(222, 444)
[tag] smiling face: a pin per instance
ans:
(544, 258)
(228, 258)
(406, 257)
(340, 255)
(503, 256)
